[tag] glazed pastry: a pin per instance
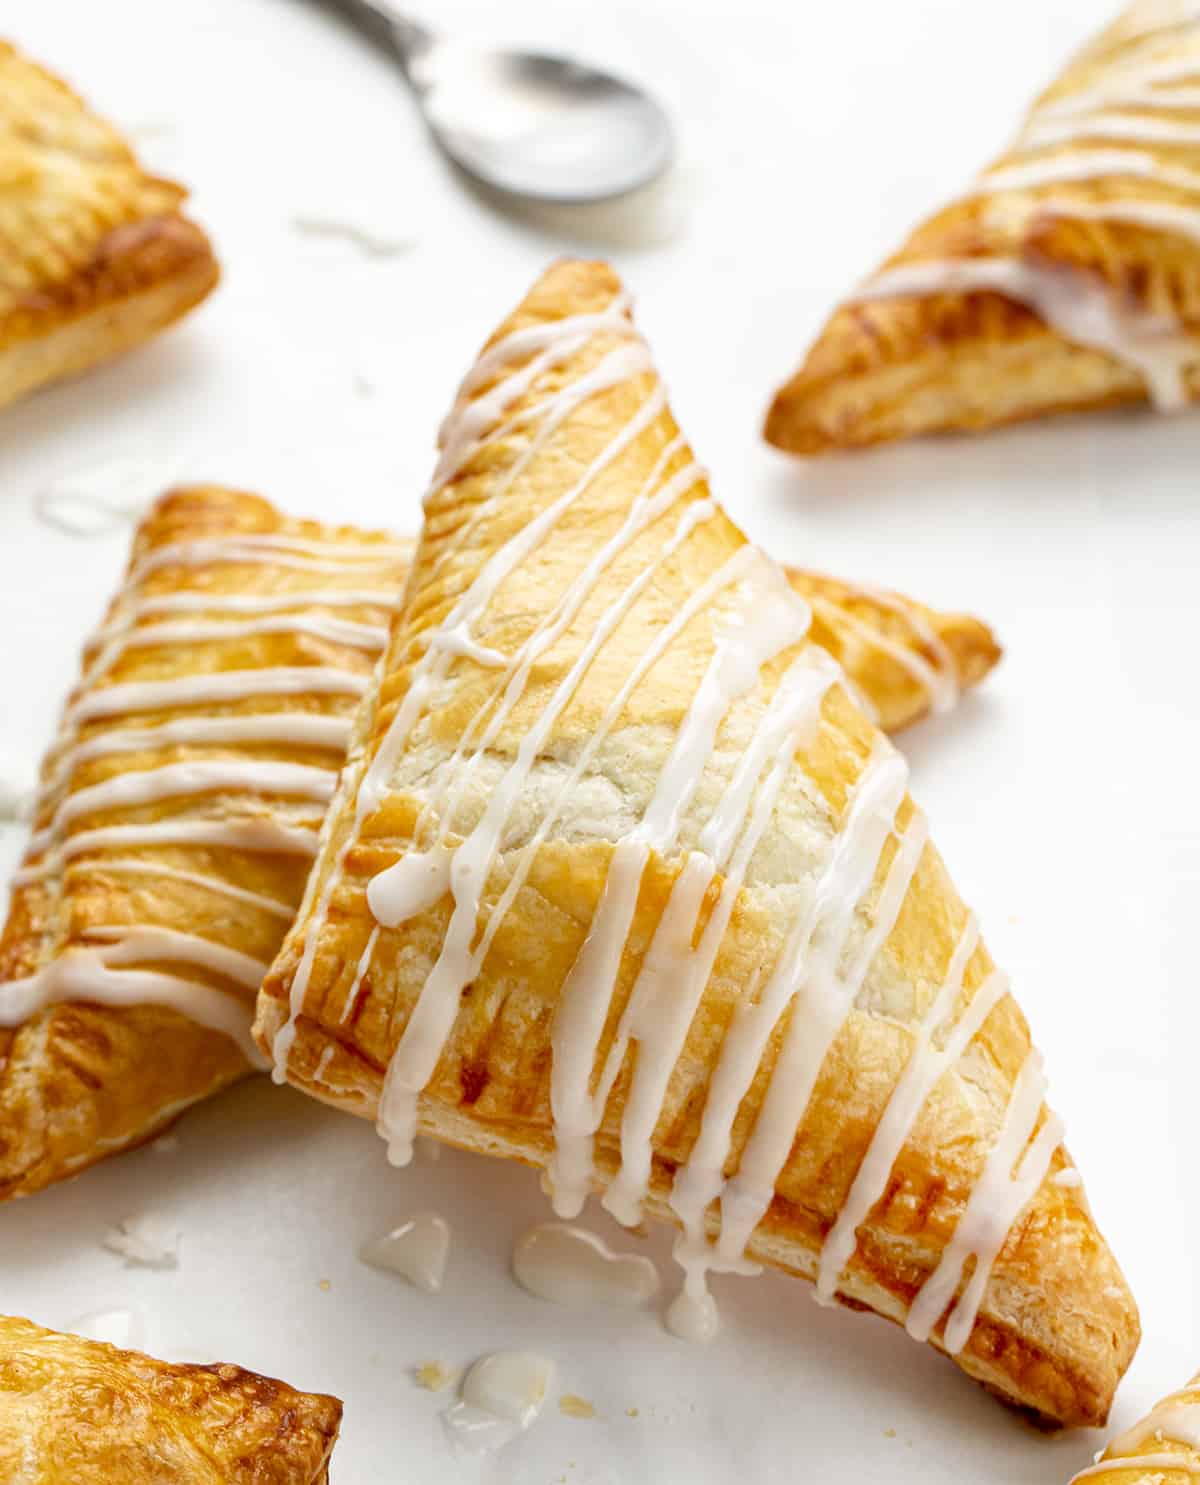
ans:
(176, 822)
(1067, 277)
(620, 882)
(95, 255)
(902, 660)
(1163, 1449)
(78, 1412)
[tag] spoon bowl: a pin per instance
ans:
(530, 125)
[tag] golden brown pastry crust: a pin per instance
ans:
(95, 255)
(1057, 1326)
(76, 1081)
(78, 1412)
(964, 361)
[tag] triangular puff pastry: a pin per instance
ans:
(177, 818)
(216, 803)
(1067, 277)
(620, 882)
(95, 255)
(77, 1412)
(1160, 1450)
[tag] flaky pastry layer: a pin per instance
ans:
(79, 1412)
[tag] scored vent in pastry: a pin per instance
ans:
(95, 255)
(620, 882)
(79, 1412)
(1163, 1449)
(1066, 277)
(232, 787)
(177, 818)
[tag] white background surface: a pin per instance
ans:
(1064, 795)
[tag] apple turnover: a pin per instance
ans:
(1163, 1449)
(78, 1412)
(1067, 277)
(619, 881)
(95, 255)
(176, 821)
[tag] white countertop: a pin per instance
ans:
(1063, 795)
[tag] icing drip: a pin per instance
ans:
(571, 1267)
(1176, 1418)
(993, 1206)
(417, 1250)
(1075, 304)
(693, 1316)
(122, 1328)
(502, 1397)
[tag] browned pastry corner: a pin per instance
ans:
(1163, 1448)
(78, 1412)
(622, 883)
(95, 255)
(176, 823)
(1066, 278)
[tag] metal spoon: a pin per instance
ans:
(540, 127)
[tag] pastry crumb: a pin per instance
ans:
(325, 1286)
(575, 1406)
(145, 1241)
(889, 1433)
(632, 1412)
(436, 1376)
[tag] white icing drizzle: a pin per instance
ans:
(107, 973)
(808, 978)
(272, 551)
(1129, 85)
(238, 835)
(204, 602)
(1160, 216)
(81, 974)
(569, 1266)
(1176, 1418)
(938, 680)
(1080, 165)
(999, 1196)
(130, 866)
(1109, 126)
(1075, 304)
(371, 637)
(925, 1067)
(174, 780)
(215, 687)
(417, 1250)
(432, 1017)
(303, 729)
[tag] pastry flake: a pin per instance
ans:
(177, 818)
(1162, 1448)
(95, 255)
(80, 1412)
(1067, 277)
(621, 883)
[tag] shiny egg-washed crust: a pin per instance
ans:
(962, 362)
(1161, 1443)
(78, 1081)
(95, 255)
(1057, 1326)
(78, 1412)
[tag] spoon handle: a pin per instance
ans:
(385, 24)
